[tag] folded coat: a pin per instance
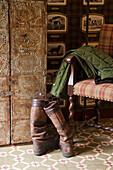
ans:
(94, 62)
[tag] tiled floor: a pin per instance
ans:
(93, 151)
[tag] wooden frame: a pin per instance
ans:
(56, 2)
(57, 23)
(95, 22)
(55, 50)
(94, 44)
(62, 103)
(94, 2)
(53, 64)
(89, 102)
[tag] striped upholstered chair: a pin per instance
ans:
(88, 88)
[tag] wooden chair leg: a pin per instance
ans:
(87, 122)
(97, 112)
(97, 115)
(71, 115)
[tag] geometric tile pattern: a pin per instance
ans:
(93, 150)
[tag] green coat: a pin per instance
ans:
(93, 61)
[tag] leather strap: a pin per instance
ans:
(38, 123)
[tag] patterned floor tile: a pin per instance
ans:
(59, 166)
(73, 168)
(9, 161)
(70, 164)
(103, 156)
(93, 149)
(92, 167)
(2, 162)
(31, 168)
(102, 167)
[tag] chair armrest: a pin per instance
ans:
(69, 59)
(72, 78)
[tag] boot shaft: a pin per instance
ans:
(39, 102)
(42, 142)
(55, 114)
(37, 112)
(38, 119)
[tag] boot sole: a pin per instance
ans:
(44, 150)
(66, 154)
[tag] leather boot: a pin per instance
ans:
(42, 142)
(66, 140)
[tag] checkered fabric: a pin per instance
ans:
(88, 88)
(106, 39)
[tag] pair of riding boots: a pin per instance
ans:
(42, 142)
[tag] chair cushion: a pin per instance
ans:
(106, 39)
(88, 88)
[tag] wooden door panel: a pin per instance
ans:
(20, 122)
(20, 131)
(28, 86)
(28, 62)
(3, 14)
(26, 11)
(21, 109)
(4, 64)
(23, 77)
(4, 88)
(4, 122)
(4, 75)
(4, 41)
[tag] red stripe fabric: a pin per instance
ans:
(88, 88)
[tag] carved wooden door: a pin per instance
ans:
(4, 75)
(23, 77)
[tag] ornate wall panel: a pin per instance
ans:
(4, 75)
(28, 62)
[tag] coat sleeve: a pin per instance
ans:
(59, 88)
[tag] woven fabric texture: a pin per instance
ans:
(89, 89)
(106, 39)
